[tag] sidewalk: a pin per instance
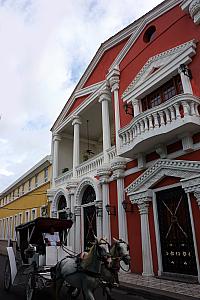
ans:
(157, 287)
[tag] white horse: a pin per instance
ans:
(86, 275)
(119, 252)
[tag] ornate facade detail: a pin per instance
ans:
(57, 137)
(105, 94)
(141, 196)
(141, 160)
(197, 195)
(192, 7)
(161, 168)
(81, 188)
(50, 194)
(187, 143)
(99, 208)
(77, 210)
(113, 78)
(143, 207)
(194, 10)
(161, 150)
(76, 120)
(158, 61)
(104, 174)
(71, 187)
(118, 167)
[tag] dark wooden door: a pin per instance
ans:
(176, 237)
(89, 225)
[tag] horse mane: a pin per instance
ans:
(112, 249)
(86, 262)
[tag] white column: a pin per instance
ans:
(77, 240)
(187, 88)
(118, 167)
(136, 107)
(56, 140)
(76, 144)
(146, 243)
(99, 216)
(143, 205)
(113, 78)
(104, 98)
(103, 174)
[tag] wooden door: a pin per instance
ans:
(177, 245)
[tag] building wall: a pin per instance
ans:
(25, 206)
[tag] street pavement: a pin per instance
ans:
(18, 292)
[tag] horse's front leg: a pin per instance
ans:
(108, 293)
(87, 293)
(58, 286)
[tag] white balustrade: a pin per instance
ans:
(90, 165)
(160, 117)
(64, 177)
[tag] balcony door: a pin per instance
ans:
(177, 245)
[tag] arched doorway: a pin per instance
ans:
(62, 204)
(89, 216)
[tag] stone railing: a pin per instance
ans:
(64, 177)
(90, 165)
(112, 152)
(161, 119)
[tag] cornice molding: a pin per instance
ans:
(161, 168)
(159, 61)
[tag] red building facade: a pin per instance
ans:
(126, 147)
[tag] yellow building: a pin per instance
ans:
(24, 200)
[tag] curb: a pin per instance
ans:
(151, 293)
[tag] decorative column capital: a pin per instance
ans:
(104, 174)
(105, 95)
(142, 199)
(143, 207)
(77, 210)
(192, 185)
(192, 7)
(197, 196)
(76, 120)
(99, 208)
(71, 187)
(113, 78)
(56, 137)
(118, 166)
(50, 195)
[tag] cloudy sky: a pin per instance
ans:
(45, 45)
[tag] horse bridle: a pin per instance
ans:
(102, 257)
(120, 257)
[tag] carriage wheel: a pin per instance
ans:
(30, 287)
(7, 276)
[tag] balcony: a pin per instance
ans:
(87, 168)
(160, 124)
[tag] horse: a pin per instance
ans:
(83, 274)
(119, 252)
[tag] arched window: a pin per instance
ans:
(89, 195)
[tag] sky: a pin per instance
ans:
(45, 46)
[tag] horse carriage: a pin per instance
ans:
(39, 266)
(30, 263)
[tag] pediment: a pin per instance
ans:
(161, 168)
(157, 63)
